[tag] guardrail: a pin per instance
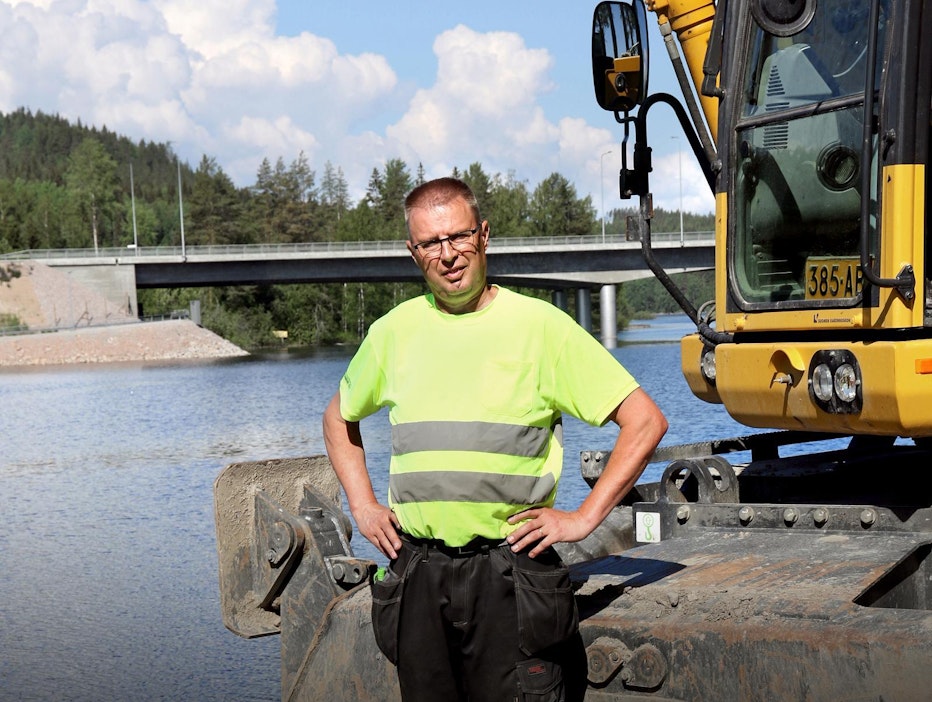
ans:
(589, 240)
(24, 329)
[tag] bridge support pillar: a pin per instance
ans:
(584, 308)
(558, 298)
(608, 316)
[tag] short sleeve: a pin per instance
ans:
(589, 383)
(362, 385)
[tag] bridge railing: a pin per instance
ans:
(338, 246)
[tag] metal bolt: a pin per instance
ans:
(820, 516)
(868, 517)
(682, 514)
(746, 514)
(790, 516)
(338, 572)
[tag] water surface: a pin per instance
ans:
(108, 567)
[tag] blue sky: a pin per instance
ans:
(504, 83)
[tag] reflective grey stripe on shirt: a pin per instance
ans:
(469, 486)
(486, 437)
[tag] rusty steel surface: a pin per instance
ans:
(286, 567)
(758, 616)
(782, 600)
(340, 662)
(235, 490)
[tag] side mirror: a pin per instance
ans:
(619, 55)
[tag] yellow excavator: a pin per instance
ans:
(823, 308)
(803, 576)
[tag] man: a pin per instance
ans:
(475, 603)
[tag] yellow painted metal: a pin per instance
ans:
(766, 385)
(902, 243)
(625, 74)
(794, 320)
(691, 20)
(690, 357)
(721, 259)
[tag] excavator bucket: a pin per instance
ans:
(283, 545)
(242, 492)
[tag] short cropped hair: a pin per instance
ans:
(441, 191)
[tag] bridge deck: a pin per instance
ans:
(553, 262)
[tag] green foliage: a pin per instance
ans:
(10, 322)
(647, 296)
(557, 211)
(9, 271)
(662, 221)
(93, 187)
(64, 185)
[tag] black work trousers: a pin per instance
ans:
(461, 637)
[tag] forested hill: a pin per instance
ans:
(37, 147)
(70, 185)
(65, 185)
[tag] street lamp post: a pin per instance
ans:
(132, 193)
(181, 210)
(602, 188)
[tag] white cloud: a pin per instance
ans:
(213, 27)
(278, 136)
(483, 107)
(214, 78)
(677, 171)
(211, 76)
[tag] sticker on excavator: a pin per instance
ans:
(647, 527)
(833, 278)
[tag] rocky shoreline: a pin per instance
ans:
(171, 340)
(70, 323)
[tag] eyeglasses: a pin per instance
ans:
(460, 241)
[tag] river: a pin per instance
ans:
(108, 567)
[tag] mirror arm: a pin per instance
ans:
(636, 182)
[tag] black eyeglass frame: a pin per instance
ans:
(435, 246)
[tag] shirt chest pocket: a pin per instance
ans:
(509, 388)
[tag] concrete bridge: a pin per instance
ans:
(580, 263)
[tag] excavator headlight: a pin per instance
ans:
(835, 381)
(707, 364)
(822, 382)
(846, 382)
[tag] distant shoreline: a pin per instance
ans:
(132, 341)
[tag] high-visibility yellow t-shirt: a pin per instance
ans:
(475, 403)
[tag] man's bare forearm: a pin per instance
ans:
(347, 455)
(642, 426)
(343, 440)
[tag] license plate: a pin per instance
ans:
(830, 278)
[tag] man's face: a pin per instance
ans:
(456, 270)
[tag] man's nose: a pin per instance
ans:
(447, 252)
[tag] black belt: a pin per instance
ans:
(473, 548)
